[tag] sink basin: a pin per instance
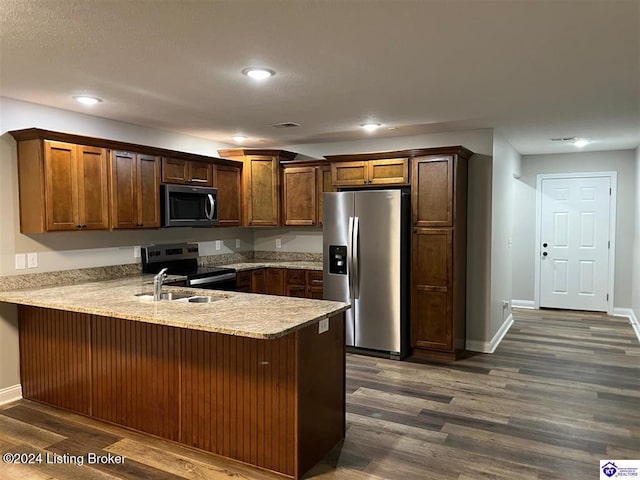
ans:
(183, 297)
(167, 295)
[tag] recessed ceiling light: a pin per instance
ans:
(239, 138)
(581, 142)
(258, 73)
(87, 99)
(370, 126)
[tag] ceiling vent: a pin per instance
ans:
(285, 125)
(564, 139)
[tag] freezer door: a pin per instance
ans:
(378, 265)
(337, 210)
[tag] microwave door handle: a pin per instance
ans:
(212, 204)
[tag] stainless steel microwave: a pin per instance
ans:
(185, 206)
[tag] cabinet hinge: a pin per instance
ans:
(609, 191)
(609, 244)
(607, 297)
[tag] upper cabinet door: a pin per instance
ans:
(389, 171)
(135, 190)
(124, 206)
(200, 173)
(228, 181)
(263, 190)
(349, 174)
(300, 196)
(61, 186)
(148, 191)
(432, 191)
(174, 171)
(93, 191)
(324, 184)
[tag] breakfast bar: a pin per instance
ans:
(256, 378)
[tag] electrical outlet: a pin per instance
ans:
(218, 244)
(136, 252)
(237, 243)
(21, 261)
(32, 260)
(278, 243)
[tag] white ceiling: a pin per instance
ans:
(532, 69)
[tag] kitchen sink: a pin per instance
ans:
(182, 297)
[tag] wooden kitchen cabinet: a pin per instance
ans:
(275, 281)
(368, 172)
(187, 172)
(432, 198)
(243, 281)
(227, 179)
(300, 196)
(260, 184)
(304, 283)
(62, 186)
(324, 184)
(438, 251)
(259, 280)
(303, 186)
(135, 190)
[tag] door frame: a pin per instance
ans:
(613, 176)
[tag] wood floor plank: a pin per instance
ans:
(561, 392)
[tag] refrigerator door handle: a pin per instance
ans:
(350, 257)
(356, 257)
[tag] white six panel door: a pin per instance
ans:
(574, 250)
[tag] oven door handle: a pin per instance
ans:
(211, 280)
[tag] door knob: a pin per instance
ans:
(545, 244)
(544, 254)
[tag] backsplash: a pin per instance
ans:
(61, 277)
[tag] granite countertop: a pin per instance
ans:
(233, 313)
(253, 264)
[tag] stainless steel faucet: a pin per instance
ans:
(157, 284)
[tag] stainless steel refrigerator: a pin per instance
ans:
(365, 243)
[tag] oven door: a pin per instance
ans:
(185, 206)
(226, 281)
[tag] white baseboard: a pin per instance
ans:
(10, 394)
(490, 347)
(631, 315)
(523, 303)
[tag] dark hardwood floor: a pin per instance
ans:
(561, 393)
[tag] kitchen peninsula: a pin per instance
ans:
(256, 378)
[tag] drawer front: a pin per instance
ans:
(296, 277)
(314, 278)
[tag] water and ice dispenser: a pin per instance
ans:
(338, 259)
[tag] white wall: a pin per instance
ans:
(478, 141)
(506, 163)
(635, 300)
(623, 162)
(303, 240)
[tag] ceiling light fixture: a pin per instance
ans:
(87, 99)
(258, 73)
(370, 126)
(239, 138)
(581, 142)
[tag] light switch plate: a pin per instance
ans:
(218, 244)
(323, 325)
(278, 243)
(136, 252)
(237, 243)
(21, 261)
(32, 260)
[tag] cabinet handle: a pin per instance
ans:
(78, 226)
(365, 182)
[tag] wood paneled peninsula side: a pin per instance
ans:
(256, 378)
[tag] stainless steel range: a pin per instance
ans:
(182, 260)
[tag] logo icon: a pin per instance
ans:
(609, 469)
